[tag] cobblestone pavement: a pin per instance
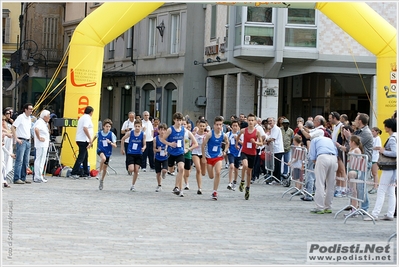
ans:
(71, 222)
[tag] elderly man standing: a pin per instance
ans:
(21, 133)
(84, 133)
(42, 139)
(317, 131)
(127, 126)
(148, 129)
(324, 153)
(366, 137)
(278, 146)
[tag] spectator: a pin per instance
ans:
(288, 135)
(21, 133)
(148, 129)
(8, 141)
(298, 120)
(317, 131)
(84, 133)
(344, 119)
(338, 141)
(42, 141)
(388, 177)
(278, 147)
(324, 153)
(375, 131)
(363, 131)
(280, 121)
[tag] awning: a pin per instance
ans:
(15, 84)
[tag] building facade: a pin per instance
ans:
(10, 40)
(204, 59)
(291, 62)
(39, 50)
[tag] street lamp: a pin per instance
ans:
(31, 47)
(32, 61)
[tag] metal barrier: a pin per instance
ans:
(299, 154)
(269, 164)
(356, 166)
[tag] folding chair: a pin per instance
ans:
(358, 163)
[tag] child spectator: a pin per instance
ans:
(297, 164)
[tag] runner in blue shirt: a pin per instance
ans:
(106, 140)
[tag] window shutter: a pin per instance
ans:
(7, 31)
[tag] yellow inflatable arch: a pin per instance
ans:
(86, 54)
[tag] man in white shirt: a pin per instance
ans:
(84, 133)
(127, 126)
(148, 129)
(21, 133)
(278, 147)
(42, 140)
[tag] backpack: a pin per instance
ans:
(57, 171)
(326, 134)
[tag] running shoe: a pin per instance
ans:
(176, 191)
(241, 186)
(181, 194)
(132, 188)
(229, 186)
(100, 187)
(214, 195)
(246, 193)
(373, 191)
(233, 187)
(171, 173)
(186, 188)
(317, 211)
(199, 192)
(159, 188)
